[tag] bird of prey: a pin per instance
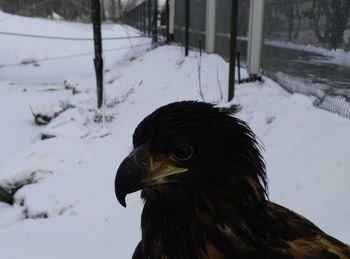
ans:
(204, 188)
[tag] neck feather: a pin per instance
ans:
(198, 214)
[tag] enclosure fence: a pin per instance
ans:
(306, 49)
(142, 17)
(304, 45)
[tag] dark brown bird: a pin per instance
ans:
(204, 185)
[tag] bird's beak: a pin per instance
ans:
(140, 169)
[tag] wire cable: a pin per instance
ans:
(69, 56)
(130, 41)
(66, 38)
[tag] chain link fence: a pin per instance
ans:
(197, 28)
(223, 27)
(198, 25)
(305, 49)
(305, 44)
(141, 17)
(75, 10)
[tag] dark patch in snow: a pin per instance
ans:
(7, 193)
(5, 196)
(270, 119)
(107, 117)
(46, 136)
(30, 61)
(28, 215)
(72, 87)
(232, 109)
(42, 117)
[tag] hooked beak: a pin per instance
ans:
(140, 169)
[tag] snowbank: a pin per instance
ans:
(336, 56)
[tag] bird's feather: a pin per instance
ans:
(219, 208)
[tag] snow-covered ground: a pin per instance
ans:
(35, 54)
(66, 206)
(336, 56)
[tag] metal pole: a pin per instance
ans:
(143, 6)
(172, 19)
(255, 37)
(210, 25)
(155, 23)
(139, 8)
(149, 18)
(98, 61)
(187, 27)
(233, 47)
(167, 8)
(120, 10)
(239, 67)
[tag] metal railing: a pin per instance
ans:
(142, 17)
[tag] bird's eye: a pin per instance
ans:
(183, 152)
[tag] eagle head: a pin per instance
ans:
(192, 144)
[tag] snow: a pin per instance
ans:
(326, 96)
(18, 122)
(16, 50)
(298, 85)
(47, 108)
(335, 56)
(65, 206)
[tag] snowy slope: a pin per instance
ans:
(67, 208)
(14, 50)
(18, 119)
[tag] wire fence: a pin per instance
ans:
(28, 6)
(308, 42)
(76, 10)
(223, 27)
(141, 17)
(66, 38)
(91, 53)
(197, 29)
(305, 45)
(198, 25)
(70, 10)
(47, 37)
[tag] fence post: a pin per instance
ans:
(98, 61)
(143, 18)
(155, 24)
(149, 18)
(187, 27)
(167, 11)
(233, 47)
(139, 8)
(120, 12)
(171, 19)
(255, 36)
(210, 25)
